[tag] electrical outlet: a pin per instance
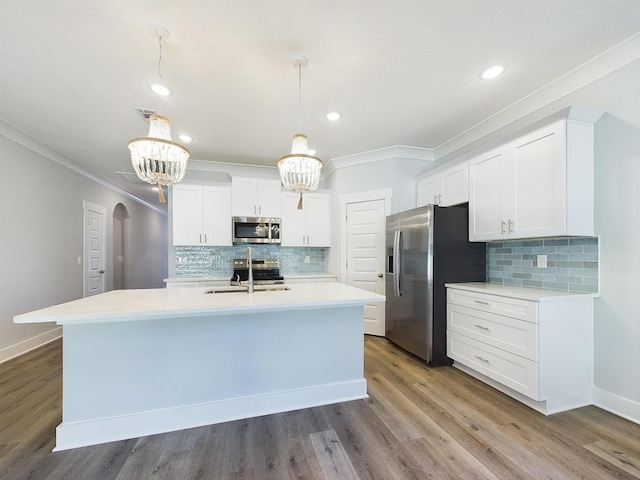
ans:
(307, 259)
(542, 261)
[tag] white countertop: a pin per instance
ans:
(522, 293)
(158, 303)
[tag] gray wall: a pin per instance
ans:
(41, 215)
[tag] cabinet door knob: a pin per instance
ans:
(379, 275)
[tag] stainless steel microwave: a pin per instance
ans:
(256, 230)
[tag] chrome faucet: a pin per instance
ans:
(250, 266)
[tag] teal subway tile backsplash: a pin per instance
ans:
(572, 263)
(218, 261)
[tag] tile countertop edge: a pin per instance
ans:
(189, 303)
(519, 292)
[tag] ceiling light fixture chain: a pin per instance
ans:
(300, 171)
(156, 158)
(160, 71)
(299, 98)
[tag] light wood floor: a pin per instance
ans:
(419, 423)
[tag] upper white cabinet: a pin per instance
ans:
(201, 215)
(538, 185)
(256, 197)
(445, 188)
(309, 227)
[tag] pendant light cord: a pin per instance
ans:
(160, 72)
(299, 98)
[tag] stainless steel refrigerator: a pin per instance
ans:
(426, 248)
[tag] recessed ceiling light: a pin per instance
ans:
(333, 116)
(185, 138)
(160, 89)
(492, 72)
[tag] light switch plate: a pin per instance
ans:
(542, 261)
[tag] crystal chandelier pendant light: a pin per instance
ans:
(300, 171)
(156, 158)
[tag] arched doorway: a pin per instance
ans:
(120, 216)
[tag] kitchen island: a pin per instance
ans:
(141, 362)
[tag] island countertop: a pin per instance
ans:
(141, 362)
(148, 304)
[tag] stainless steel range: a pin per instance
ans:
(266, 271)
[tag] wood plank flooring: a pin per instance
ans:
(419, 423)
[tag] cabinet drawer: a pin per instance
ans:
(510, 334)
(511, 307)
(520, 374)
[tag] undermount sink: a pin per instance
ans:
(244, 289)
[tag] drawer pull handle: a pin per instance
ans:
(481, 302)
(481, 327)
(482, 359)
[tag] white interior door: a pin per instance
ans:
(365, 257)
(94, 248)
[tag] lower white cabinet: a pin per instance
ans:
(535, 345)
(195, 282)
(311, 278)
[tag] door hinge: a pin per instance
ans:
(346, 264)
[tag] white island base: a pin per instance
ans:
(130, 377)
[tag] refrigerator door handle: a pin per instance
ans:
(396, 273)
(397, 263)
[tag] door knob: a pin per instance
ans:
(379, 275)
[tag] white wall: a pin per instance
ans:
(617, 317)
(41, 215)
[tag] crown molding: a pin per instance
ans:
(538, 104)
(396, 151)
(18, 136)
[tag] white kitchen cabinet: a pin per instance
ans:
(538, 185)
(311, 278)
(201, 215)
(309, 227)
(539, 351)
(445, 188)
(196, 282)
(256, 197)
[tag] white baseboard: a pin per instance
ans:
(27, 345)
(621, 406)
(80, 434)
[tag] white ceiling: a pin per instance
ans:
(401, 72)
